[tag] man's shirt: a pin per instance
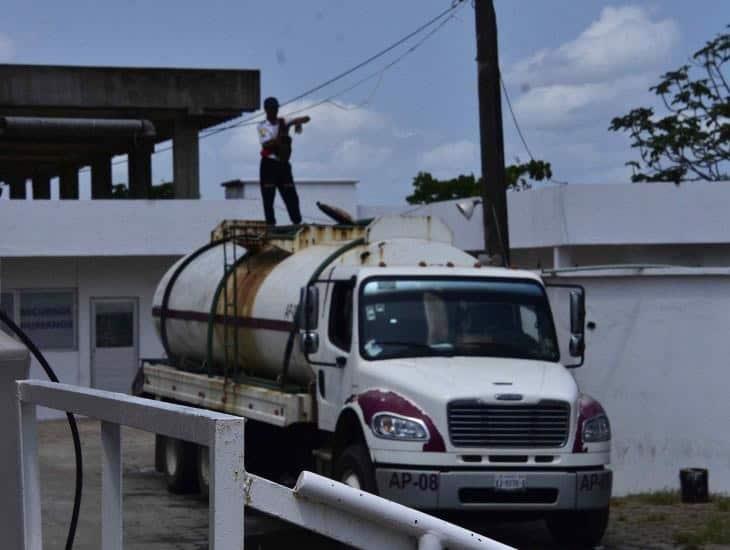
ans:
(267, 132)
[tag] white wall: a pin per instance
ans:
(120, 227)
(659, 361)
(110, 277)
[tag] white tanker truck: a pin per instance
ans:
(381, 355)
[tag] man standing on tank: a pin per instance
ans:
(275, 172)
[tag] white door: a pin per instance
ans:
(114, 343)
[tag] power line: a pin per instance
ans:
(256, 118)
(455, 4)
(250, 121)
(519, 130)
(514, 119)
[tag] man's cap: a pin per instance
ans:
(271, 103)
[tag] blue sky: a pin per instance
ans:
(569, 65)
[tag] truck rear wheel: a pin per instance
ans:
(179, 464)
(355, 469)
(582, 528)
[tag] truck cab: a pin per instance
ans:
(444, 390)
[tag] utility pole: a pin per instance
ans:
(494, 190)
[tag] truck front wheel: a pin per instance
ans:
(180, 458)
(355, 469)
(583, 528)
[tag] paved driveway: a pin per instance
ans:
(157, 520)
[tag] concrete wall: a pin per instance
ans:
(122, 228)
(658, 359)
(94, 277)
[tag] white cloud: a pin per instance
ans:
(450, 159)
(7, 48)
(561, 106)
(603, 72)
(623, 40)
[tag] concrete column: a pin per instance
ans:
(186, 160)
(68, 186)
(17, 187)
(139, 168)
(101, 177)
(14, 365)
(41, 187)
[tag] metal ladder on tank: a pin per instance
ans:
(230, 302)
(251, 236)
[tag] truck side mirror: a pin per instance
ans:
(309, 307)
(308, 318)
(577, 323)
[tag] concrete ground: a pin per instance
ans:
(157, 520)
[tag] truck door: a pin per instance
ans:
(331, 360)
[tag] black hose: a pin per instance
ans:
(71, 422)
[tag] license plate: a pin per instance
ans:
(510, 482)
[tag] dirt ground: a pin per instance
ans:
(157, 520)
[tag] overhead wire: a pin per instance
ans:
(519, 129)
(255, 119)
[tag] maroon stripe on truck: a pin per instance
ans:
(245, 322)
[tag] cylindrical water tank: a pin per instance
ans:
(196, 327)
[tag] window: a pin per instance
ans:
(114, 325)
(7, 306)
(340, 326)
(424, 316)
(49, 318)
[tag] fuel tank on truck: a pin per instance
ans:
(229, 307)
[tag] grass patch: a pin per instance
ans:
(658, 498)
(656, 518)
(722, 503)
(716, 530)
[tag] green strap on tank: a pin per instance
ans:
(317, 272)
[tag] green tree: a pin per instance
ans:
(162, 191)
(428, 189)
(692, 140)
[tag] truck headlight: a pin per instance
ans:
(596, 429)
(402, 428)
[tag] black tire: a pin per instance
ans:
(355, 461)
(202, 468)
(160, 453)
(180, 459)
(579, 529)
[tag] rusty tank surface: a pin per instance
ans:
(230, 307)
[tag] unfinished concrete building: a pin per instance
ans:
(56, 120)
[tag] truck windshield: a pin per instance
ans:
(417, 317)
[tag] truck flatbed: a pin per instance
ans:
(268, 405)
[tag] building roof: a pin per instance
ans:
(161, 97)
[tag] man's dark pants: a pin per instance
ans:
(273, 175)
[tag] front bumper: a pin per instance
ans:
(477, 490)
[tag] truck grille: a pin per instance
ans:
(476, 424)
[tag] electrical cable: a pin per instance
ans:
(255, 119)
(519, 130)
(23, 337)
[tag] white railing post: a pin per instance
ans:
(14, 365)
(33, 523)
(111, 487)
(226, 495)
